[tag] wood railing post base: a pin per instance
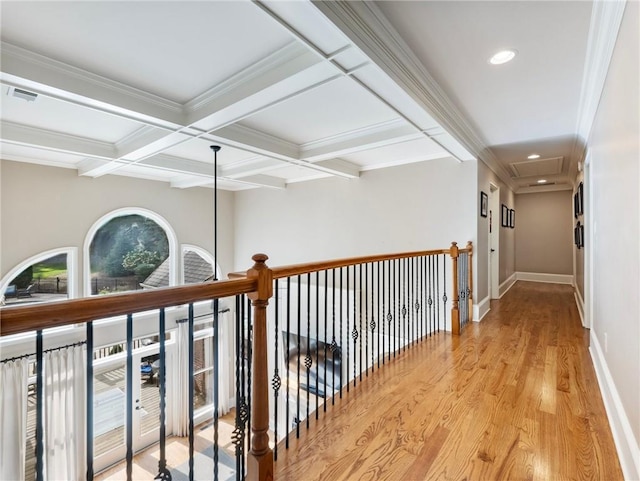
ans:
(260, 467)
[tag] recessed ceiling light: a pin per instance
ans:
(542, 181)
(534, 156)
(503, 56)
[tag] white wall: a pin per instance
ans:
(615, 153)
(44, 208)
(412, 207)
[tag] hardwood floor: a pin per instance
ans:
(514, 398)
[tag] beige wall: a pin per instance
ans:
(544, 232)
(614, 148)
(507, 236)
(45, 208)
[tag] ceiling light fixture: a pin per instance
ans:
(503, 56)
(542, 181)
(534, 156)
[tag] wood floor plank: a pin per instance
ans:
(513, 398)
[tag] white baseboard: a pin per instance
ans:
(626, 443)
(506, 285)
(481, 308)
(580, 304)
(540, 277)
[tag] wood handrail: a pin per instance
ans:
(307, 267)
(18, 319)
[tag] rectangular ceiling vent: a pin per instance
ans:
(537, 168)
(22, 94)
(542, 185)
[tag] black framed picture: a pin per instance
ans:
(575, 205)
(504, 217)
(578, 234)
(512, 218)
(580, 195)
(484, 201)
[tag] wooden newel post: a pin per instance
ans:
(260, 458)
(455, 308)
(470, 281)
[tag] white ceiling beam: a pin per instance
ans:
(261, 180)
(254, 141)
(372, 137)
(55, 141)
(339, 167)
(248, 168)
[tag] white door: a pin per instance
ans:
(110, 398)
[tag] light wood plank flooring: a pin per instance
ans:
(514, 398)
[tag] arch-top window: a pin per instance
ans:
(129, 252)
(196, 265)
(41, 278)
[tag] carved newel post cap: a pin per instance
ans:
(260, 258)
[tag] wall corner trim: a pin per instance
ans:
(626, 444)
(507, 284)
(542, 277)
(481, 309)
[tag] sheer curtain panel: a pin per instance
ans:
(13, 418)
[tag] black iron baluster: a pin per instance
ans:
(90, 407)
(393, 300)
(358, 332)
(326, 322)
(432, 304)
(380, 308)
(216, 385)
(298, 360)
(372, 324)
(276, 382)
(334, 346)
(354, 331)
(444, 295)
(317, 339)
(363, 298)
(342, 311)
(288, 356)
(190, 389)
(129, 409)
(236, 436)
(348, 331)
(308, 362)
(39, 407)
(389, 304)
(163, 473)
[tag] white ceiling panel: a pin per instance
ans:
(199, 149)
(397, 154)
(59, 116)
(331, 109)
(176, 50)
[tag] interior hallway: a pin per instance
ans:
(514, 398)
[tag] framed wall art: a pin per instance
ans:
(484, 201)
(504, 217)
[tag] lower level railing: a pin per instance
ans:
(90, 382)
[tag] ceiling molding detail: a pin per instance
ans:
(606, 18)
(65, 82)
(365, 25)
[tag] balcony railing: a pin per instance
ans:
(300, 336)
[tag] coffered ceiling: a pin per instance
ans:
(292, 90)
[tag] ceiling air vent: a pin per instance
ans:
(542, 185)
(22, 94)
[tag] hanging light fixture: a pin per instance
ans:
(216, 149)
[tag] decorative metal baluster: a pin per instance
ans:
(288, 359)
(326, 322)
(383, 317)
(366, 316)
(163, 473)
(190, 388)
(40, 407)
(389, 306)
(437, 289)
(356, 334)
(317, 339)
(348, 331)
(334, 345)
(372, 323)
(298, 361)
(393, 300)
(248, 390)
(129, 410)
(308, 362)
(380, 309)
(216, 386)
(237, 436)
(444, 295)
(432, 304)
(89, 406)
(276, 382)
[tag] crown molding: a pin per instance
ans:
(366, 26)
(606, 18)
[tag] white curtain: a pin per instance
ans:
(181, 412)
(13, 418)
(64, 414)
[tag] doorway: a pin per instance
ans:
(494, 241)
(110, 422)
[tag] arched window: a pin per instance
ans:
(196, 265)
(127, 250)
(48, 276)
